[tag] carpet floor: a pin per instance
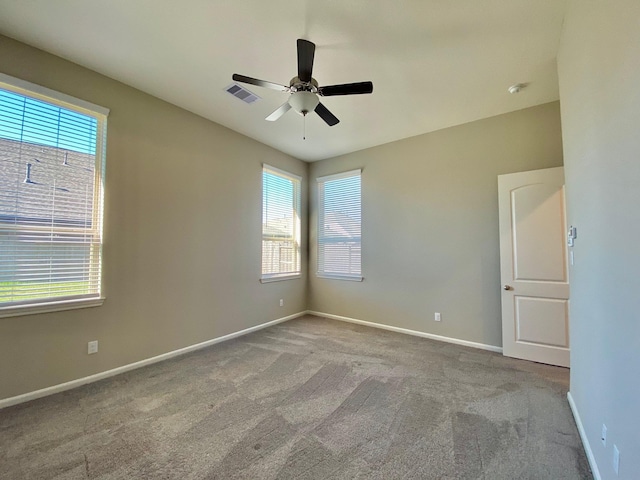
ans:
(308, 399)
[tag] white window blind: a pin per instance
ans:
(339, 226)
(280, 224)
(51, 170)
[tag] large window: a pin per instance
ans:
(339, 226)
(51, 171)
(280, 224)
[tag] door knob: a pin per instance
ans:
(508, 287)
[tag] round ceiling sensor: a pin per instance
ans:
(517, 87)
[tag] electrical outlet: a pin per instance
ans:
(603, 436)
(616, 459)
(282, 302)
(92, 347)
(437, 317)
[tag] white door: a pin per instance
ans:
(533, 266)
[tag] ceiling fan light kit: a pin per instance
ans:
(304, 89)
(304, 102)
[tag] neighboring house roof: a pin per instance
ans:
(59, 188)
(338, 224)
(278, 228)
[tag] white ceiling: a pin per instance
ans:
(433, 63)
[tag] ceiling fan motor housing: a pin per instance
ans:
(297, 85)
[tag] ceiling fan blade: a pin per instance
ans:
(260, 83)
(282, 109)
(346, 89)
(326, 115)
(306, 51)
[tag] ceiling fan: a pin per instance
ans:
(304, 88)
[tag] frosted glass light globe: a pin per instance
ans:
(304, 102)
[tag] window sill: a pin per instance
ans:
(340, 277)
(15, 311)
(280, 278)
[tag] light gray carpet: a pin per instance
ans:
(310, 399)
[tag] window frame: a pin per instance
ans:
(100, 114)
(321, 181)
(296, 237)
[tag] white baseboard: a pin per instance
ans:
(26, 397)
(585, 440)
(406, 331)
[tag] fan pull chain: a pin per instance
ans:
(304, 127)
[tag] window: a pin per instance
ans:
(51, 174)
(339, 226)
(280, 224)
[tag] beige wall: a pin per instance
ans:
(182, 236)
(430, 224)
(599, 68)
(182, 231)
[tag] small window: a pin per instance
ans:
(280, 224)
(51, 174)
(339, 226)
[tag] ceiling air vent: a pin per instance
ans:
(242, 93)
